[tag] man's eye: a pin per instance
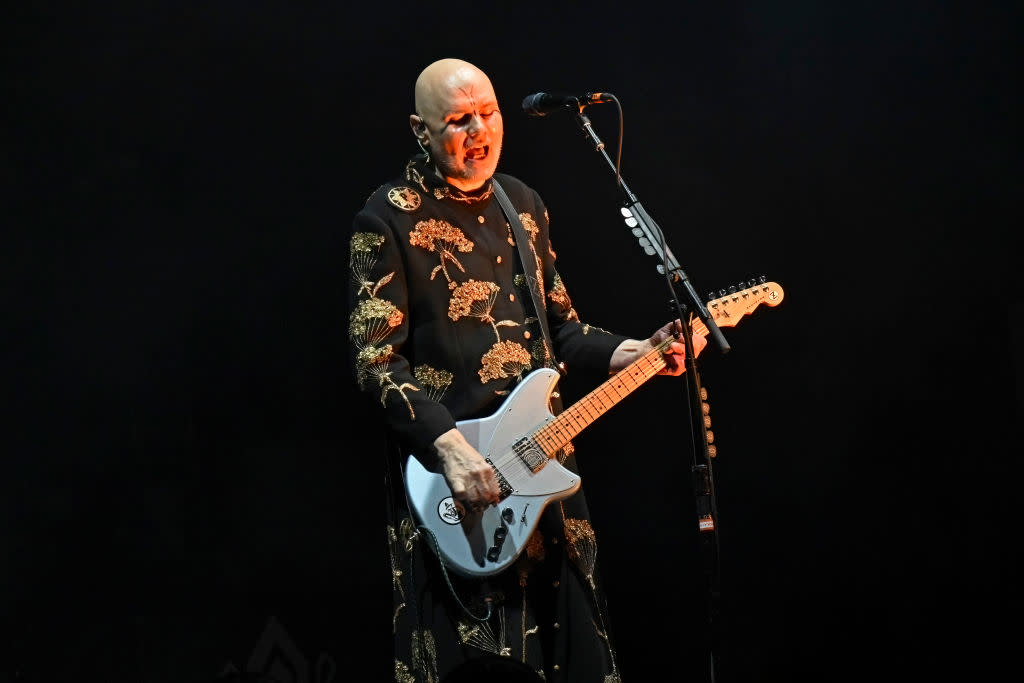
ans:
(462, 120)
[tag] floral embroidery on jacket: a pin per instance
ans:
(443, 238)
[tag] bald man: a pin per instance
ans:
(443, 330)
(457, 119)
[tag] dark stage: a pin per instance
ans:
(187, 493)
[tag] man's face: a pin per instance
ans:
(464, 129)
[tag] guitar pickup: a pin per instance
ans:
(531, 456)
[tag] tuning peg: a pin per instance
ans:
(751, 282)
(722, 292)
(703, 394)
(732, 289)
(762, 280)
(710, 436)
(707, 422)
(705, 408)
(712, 451)
(712, 295)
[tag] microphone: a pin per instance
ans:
(543, 103)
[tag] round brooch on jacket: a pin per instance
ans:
(405, 199)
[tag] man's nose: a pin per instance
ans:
(476, 125)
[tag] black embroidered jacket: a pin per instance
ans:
(442, 325)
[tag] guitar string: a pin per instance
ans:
(511, 465)
(579, 416)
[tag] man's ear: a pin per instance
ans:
(418, 125)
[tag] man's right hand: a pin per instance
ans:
(470, 477)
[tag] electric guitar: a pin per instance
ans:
(521, 440)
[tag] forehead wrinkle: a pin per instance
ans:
(438, 88)
(470, 102)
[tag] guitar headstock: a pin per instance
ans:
(732, 305)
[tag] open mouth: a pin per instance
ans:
(477, 153)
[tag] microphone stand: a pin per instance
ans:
(652, 240)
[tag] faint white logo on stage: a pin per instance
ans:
(276, 659)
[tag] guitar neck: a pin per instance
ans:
(580, 415)
(727, 311)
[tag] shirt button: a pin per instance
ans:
(556, 667)
(511, 297)
(526, 334)
(480, 218)
(554, 584)
(556, 625)
(498, 259)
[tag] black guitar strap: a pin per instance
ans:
(529, 266)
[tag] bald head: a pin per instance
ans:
(439, 79)
(458, 121)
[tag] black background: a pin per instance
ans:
(186, 486)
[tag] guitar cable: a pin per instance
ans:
(436, 550)
(447, 580)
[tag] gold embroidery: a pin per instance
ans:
(505, 359)
(405, 199)
(476, 299)
(530, 225)
(369, 357)
(436, 381)
(424, 656)
(396, 578)
(482, 636)
(374, 362)
(373, 320)
(402, 674)
(388, 385)
(444, 238)
(408, 533)
(467, 297)
(535, 546)
(559, 294)
(446, 192)
(364, 248)
(582, 546)
(412, 174)
(540, 272)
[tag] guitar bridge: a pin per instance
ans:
(530, 454)
(503, 486)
